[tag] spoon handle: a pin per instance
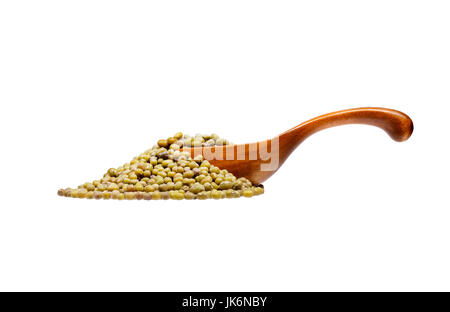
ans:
(397, 124)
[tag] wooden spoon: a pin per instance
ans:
(258, 161)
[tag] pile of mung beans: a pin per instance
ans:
(166, 172)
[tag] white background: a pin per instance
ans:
(87, 85)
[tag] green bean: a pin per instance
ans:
(164, 171)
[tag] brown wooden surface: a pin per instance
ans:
(238, 158)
